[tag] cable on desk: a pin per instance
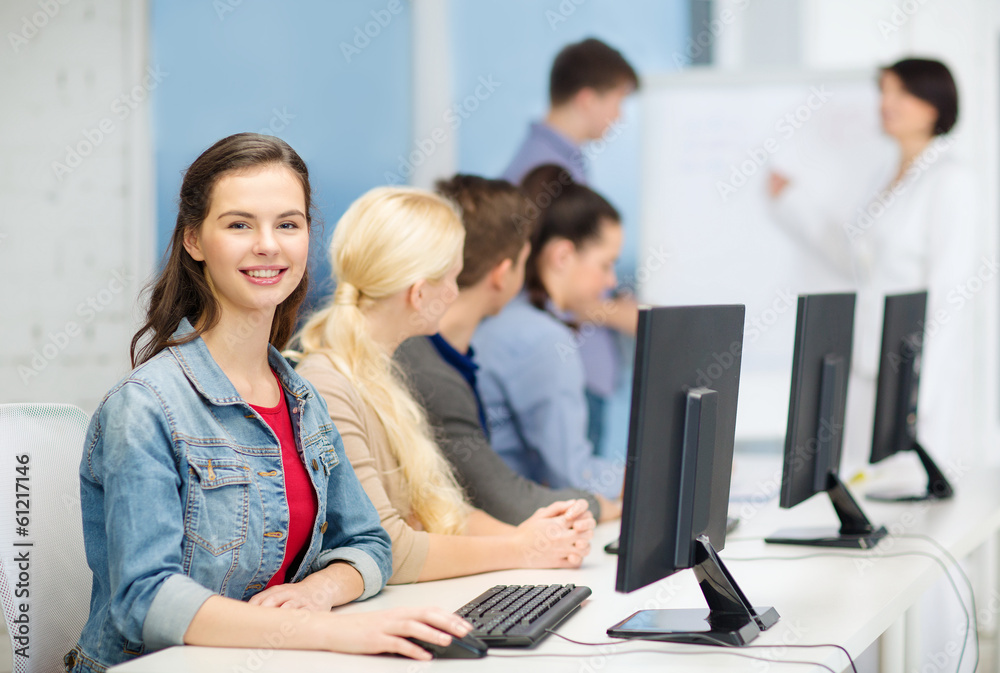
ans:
(692, 653)
(725, 644)
(843, 649)
(968, 585)
(847, 553)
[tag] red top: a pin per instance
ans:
(299, 491)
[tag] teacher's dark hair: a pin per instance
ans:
(930, 81)
(180, 290)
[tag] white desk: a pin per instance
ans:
(849, 601)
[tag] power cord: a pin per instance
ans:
(971, 618)
(848, 554)
(843, 649)
(725, 644)
(968, 585)
(692, 653)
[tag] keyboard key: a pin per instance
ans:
(520, 616)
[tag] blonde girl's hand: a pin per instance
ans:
(556, 536)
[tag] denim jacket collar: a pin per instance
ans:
(212, 383)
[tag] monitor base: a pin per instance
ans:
(902, 496)
(856, 530)
(730, 619)
(697, 626)
(938, 486)
(766, 617)
(827, 537)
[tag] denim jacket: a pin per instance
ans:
(183, 498)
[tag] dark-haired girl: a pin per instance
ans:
(916, 229)
(218, 506)
(531, 372)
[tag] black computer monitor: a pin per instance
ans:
(820, 369)
(678, 469)
(895, 427)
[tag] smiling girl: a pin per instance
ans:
(218, 506)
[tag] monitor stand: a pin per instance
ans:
(938, 487)
(729, 619)
(856, 531)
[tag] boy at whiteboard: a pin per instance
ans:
(587, 84)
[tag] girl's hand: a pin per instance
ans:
(776, 184)
(386, 631)
(557, 536)
(300, 595)
(610, 509)
(334, 585)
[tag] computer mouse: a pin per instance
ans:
(468, 647)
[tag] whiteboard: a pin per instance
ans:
(710, 140)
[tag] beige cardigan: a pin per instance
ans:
(367, 447)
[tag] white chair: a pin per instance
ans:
(53, 583)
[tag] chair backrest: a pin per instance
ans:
(45, 582)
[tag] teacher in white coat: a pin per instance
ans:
(918, 230)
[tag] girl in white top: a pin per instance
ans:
(917, 231)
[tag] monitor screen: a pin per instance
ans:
(897, 392)
(684, 393)
(898, 375)
(821, 364)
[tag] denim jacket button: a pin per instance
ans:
(322, 529)
(314, 465)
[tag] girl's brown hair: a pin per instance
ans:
(497, 218)
(180, 290)
(566, 209)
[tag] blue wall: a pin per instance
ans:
(515, 41)
(264, 63)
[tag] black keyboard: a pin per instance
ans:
(519, 615)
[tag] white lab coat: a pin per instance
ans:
(919, 233)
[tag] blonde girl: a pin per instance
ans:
(396, 254)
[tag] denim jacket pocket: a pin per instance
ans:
(328, 455)
(218, 504)
(327, 450)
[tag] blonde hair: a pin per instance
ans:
(389, 239)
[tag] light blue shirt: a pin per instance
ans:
(532, 383)
(544, 145)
